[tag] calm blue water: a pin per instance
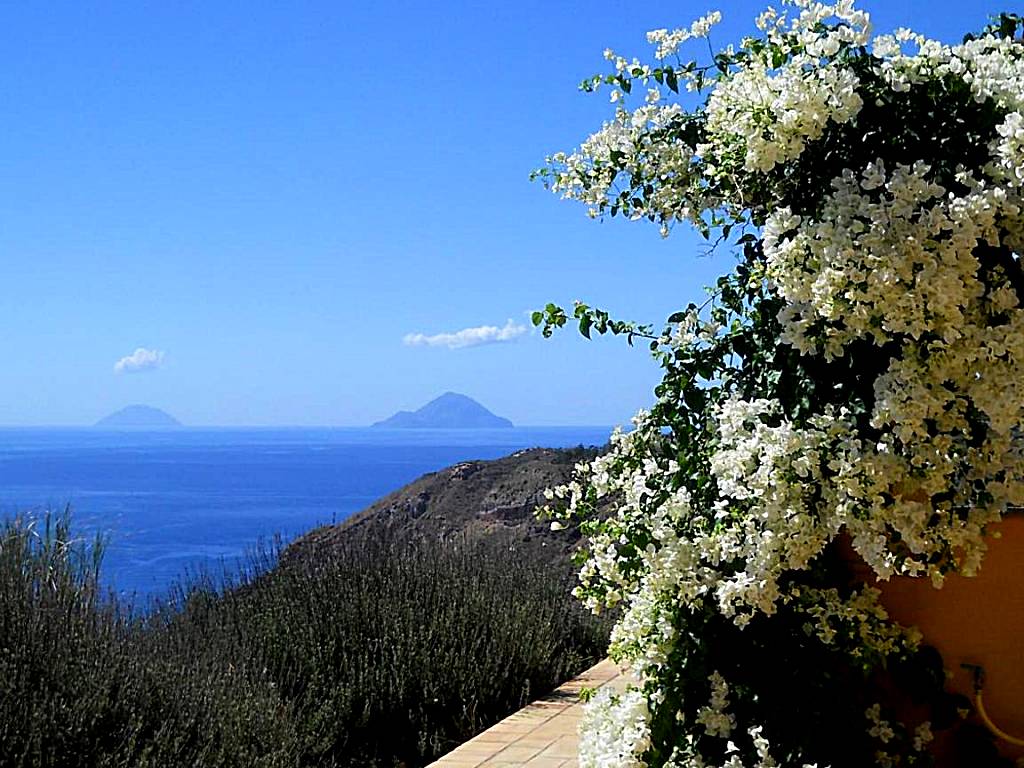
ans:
(170, 502)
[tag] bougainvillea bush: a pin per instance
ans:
(852, 385)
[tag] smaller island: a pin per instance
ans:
(449, 411)
(138, 417)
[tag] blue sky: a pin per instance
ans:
(273, 196)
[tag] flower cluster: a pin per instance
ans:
(890, 256)
(773, 114)
(856, 378)
(857, 620)
(617, 729)
(668, 42)
(1010, 149)
(714, 718)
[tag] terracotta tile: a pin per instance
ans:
(544, 762)
(535, 716)
(478, 744)
(506, 727)
(551, 732)
(538, 740)
(564, 748)
(572, 714)
(545, 739)
(491, 735)
(477, 749)
(517, 754)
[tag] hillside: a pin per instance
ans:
(475, 497)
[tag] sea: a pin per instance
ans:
(174, 504)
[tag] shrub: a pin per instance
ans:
(390, 651)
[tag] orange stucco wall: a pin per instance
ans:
(977, 620)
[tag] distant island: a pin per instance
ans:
(138, 417)
(449, 411)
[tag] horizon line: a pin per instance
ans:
(179, 427)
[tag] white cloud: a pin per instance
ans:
(467, 337)
(141, 359)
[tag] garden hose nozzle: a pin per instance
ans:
(979, 685)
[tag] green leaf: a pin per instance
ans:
(671, 81)
(585, 323)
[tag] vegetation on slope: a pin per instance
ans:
(386, 650)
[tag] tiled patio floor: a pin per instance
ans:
(541, 735)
